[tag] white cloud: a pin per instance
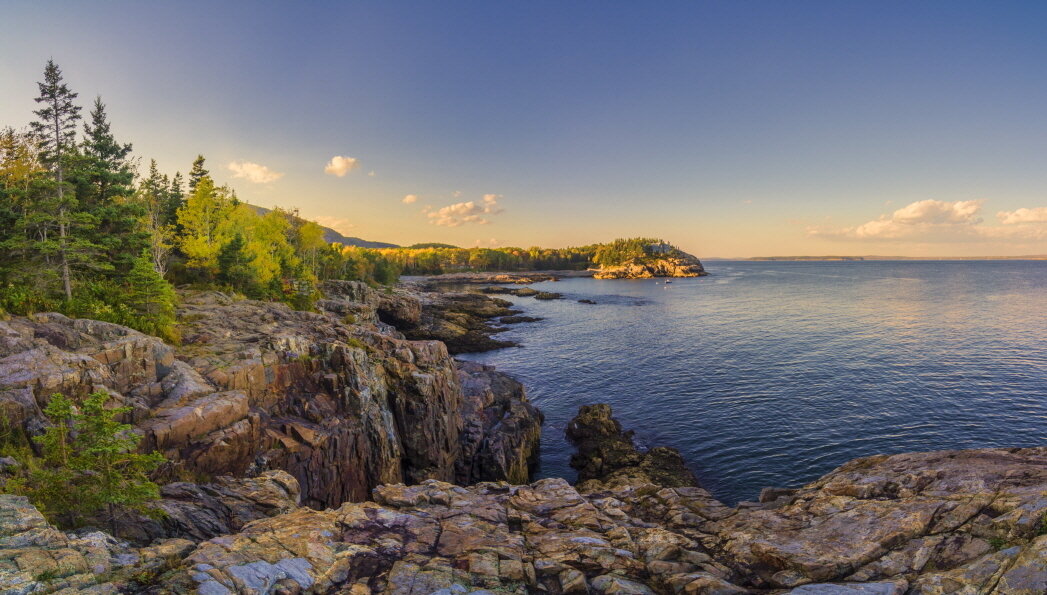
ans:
(340, 165)
(461, 213)
(371, 173)
(457, 194)
(938, 221)
(924, 220)
(339, 224)
(489, 243)
(1023, 215)
(409, 199)
(253, 172)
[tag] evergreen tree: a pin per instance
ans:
(197, 173)
(115, 475)
(107, 192)
(234, 267)
(109, 169)
(56, 133)
(53, 486)
(152, 298)
(175, 199)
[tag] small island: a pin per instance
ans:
(644, 258)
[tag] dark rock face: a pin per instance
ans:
(502, 430)
(477, 277)
(342, 408)
(606, 453)
(256, 386)
(519, 319)
(202, 511)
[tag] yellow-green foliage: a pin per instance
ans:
(203, 218)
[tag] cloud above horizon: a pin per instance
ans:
(339, 224)
(410, 199)
(339, 165)
(461, 213)
(940, 221)
(253, 172)
(1023, 215)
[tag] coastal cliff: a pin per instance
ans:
(325, 452)
(338, 398)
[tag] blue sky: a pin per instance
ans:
(730, 128)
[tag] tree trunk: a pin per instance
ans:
(66, 283)
(65, 260)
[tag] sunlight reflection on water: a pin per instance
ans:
(789, 369)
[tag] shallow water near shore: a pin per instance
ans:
(774, 373)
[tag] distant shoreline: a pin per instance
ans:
(876, 258)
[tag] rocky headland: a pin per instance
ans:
(668, 264)
(328, 452)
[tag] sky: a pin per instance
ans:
(731, 129)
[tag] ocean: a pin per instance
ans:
(775, 373)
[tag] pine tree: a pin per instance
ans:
(56, 132)
(53, 486)
(197, 173)
(107, 192)
(152, 298)
(234, 266)
(175, 199)
(116, 476)
(110, 171)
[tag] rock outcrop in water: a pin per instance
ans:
(669, 266)
(659, 260)
(607, 455)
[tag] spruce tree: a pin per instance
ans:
(197, 173)
(107, 192)
(234, 266)
(56, 134)
(109, 168)
(54, 486)
(152, 298)
(175, 199)
(116, 476)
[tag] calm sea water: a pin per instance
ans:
(774, 373)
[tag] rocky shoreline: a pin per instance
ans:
(346, 451)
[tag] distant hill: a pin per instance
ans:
(876, 257)
(334, 237)
(426, 245)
